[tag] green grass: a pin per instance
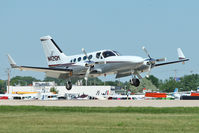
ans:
(33, 119)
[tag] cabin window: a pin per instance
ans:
(90, 57)
(84, 58)
(108, 54)
(98, 55)
(71, 61)
(79, 59)
(74, 60)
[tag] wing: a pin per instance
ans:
(121, 74)
(43, 69)
(181, 58)
(38, 69)
(172, 62)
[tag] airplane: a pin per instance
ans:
(99, 63)
(177, 95)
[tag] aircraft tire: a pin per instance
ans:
(135, 82)
(68, 85)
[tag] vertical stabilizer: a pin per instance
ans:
(53, 53)
(176, 90)
(180, 54)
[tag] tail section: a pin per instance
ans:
(11, 61)
(176, 90)
(53, 53)
(180, 54)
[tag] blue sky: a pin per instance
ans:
(123, 25)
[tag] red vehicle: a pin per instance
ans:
(156, 95)
(4, 98)
(194, 94)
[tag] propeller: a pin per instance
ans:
(84, 51)
(145, 50)
(89, 64)
(151, 61)
(87, 73)
(149, 71)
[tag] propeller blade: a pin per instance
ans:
(145, 50)
(87, 73)
(149, 71)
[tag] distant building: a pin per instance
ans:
(41, 90)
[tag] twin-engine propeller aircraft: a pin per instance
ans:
(94, 64)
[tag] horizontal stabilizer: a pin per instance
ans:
(11, 61)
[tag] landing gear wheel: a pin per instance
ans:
(68, 85)
(135, 82)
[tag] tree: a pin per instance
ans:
(144, 83)
(91, 81)
(56, 80)
(169, 85)
(2, 86)
(53, 90)
(19, 80)
(186, 83)
(154, 80)
(189, 82)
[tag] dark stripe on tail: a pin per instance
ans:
(56, 45)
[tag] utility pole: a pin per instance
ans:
(8, 83)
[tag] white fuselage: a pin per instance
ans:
(110, 62)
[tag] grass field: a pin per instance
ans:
(32, 119)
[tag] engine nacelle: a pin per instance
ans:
(89, 63)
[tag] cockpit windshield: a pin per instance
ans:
(117, 53)
(108, 54)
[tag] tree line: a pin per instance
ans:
(185, 83)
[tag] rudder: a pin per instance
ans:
(53, 53)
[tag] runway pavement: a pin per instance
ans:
(105, 103)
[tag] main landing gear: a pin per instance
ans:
(135, 82)
(68, 85)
